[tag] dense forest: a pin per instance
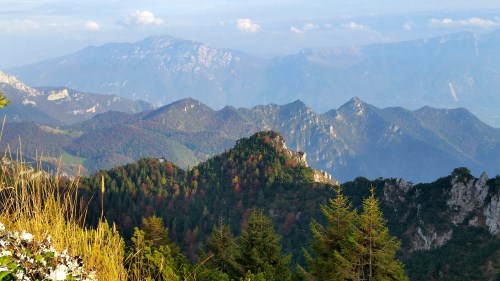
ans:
(202, 219)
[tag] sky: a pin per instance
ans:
(33, 30)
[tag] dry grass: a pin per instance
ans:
(34, 201)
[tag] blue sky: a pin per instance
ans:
(32, 30)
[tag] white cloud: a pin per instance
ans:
(92, 25)
(247, 25)
(296, 30)
(304, 29)
(408, 25)
(142, 18)
(470, 22)
(18, 26)
(355, 26)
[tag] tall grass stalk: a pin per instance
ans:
(42, 204)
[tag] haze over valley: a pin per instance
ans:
(260, 140)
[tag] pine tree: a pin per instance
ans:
(369, 253)
(223, 251)
(340, 219)
(152, 257)
(260, 249)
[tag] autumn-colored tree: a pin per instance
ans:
(154, 231)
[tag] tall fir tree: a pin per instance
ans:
(223, 252)
(260, 250)
(152, 256)
(340, 220)
(369, 253)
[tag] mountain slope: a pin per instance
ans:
(457, 70)
(257, 171)
(159, 69)
(434, 221)
(59, 105)
(358, 139)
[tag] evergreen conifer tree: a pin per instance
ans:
(369, 253)
(260, 250)
(223, 252)
(340, 219)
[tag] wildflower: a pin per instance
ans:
(5, 253)
(25, 236)
(59, 273)
(3, 268)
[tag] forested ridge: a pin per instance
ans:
(259, 179)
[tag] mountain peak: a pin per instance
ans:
(12, 81)
(180, 105)
(189, 102)
(259, 142)
(296, 105)
(200, 114)
(355, 105)
(160, 40)
(277, 141)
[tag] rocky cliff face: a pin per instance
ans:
(431, 211)
(16, 84)
(467, 195)
(492, 214)
(59, 105)
(298, 157)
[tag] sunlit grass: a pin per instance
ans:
(70, 159)
(41, 204)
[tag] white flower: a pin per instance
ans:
(3, 268)
(2, 227)
(5, 253)
(28, 237)
(21, 276)
(59, 273)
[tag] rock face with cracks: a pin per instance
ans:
(461, 199)
(466, 196)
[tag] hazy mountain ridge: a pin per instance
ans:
(59, 105)
(357, 139)
(458, 70)
(160, 69)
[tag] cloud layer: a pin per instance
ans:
(247, 25)
(142, 18)
(18, 25)
(355, 26)
(92, 25)
(307, 27)
(470, 22)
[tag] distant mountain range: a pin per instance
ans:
(357, 139)
(458, 70)
(59, 105)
